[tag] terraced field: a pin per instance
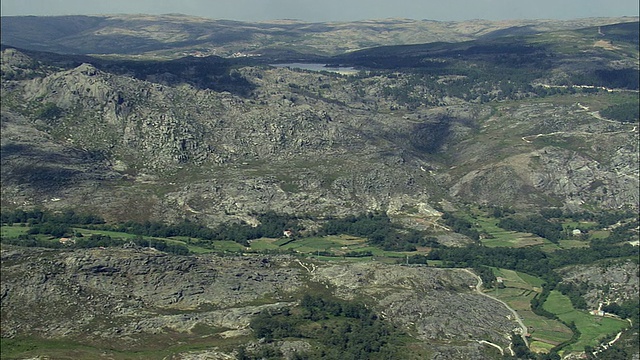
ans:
(519, 289)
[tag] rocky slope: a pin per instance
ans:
(140, 296)
(606, 283)
(294, 142)
(199, 150)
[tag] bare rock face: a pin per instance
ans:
(606, 282)
(574, 156)
(138, 147)
(435, 303)
(134, 285)
(184, 151)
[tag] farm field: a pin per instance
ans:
(519, 289)
(319, 246)
(498, 237)
(328, 247)
(10, 231)
(592, 328)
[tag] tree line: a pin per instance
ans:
(378, 229)
(534, 224)
(39, 216)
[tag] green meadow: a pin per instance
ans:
(519, 289)
(592, 328)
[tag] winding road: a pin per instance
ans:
(595, 114)
(525, 331)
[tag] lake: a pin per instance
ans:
(319, 67)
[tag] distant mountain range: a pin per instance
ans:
(178, 35)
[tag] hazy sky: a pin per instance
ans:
(334, 10)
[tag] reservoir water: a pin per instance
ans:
(319, 67)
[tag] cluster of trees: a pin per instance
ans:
(461, 225)
(271, 225)
(610, 78)
(39, 216)
(620, 234)
(521, 350)
(575, 293)
(349, 330)
(628, 112)
(602, 218)
(498, 211)
(538, 301)
(486, 275)
(528, 260)
(377, 227)
(49, 112)
(176, 249)
(358, 254)
(57, 230)
(629, 309)
(59, 224)
(534, 224)
(425, 86)
(416, 259)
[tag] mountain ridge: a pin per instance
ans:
(158, 35)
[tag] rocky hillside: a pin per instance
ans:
(146, 299)
(206, 139)
(179, 148)
(605, 283)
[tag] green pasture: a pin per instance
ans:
(516, 279)
(539, 346)
(113, 234)
(592, 328)
(519, 289)
(599, 234)
(335, 244)
(11, 231)
(194, 245)
(500, 237)
(22, 348)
